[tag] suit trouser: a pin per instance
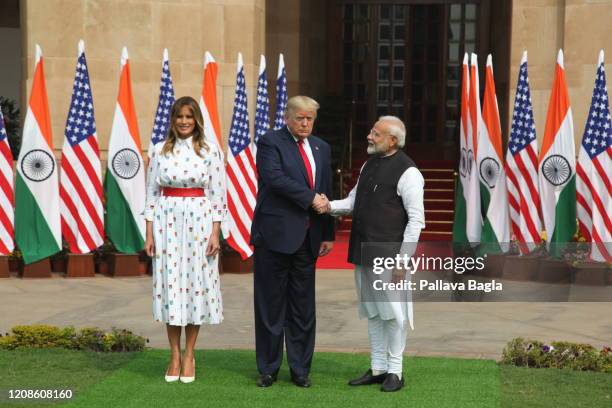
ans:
(284, 288)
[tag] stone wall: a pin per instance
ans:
(297, 28)
(581, 28)
(187, 28)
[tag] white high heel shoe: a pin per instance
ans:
(171, 378)
(187, 380)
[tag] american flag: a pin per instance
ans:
(7, 196)
(80, 181)
(164, 105)
(281, 94)
(241, 178)
(262, 109)
(593, 188)
(522, 168)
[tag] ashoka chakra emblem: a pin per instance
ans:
(489, 171)
(37, 165)
(463, 164)
(556, 170)
(126, 163)
(470, 161)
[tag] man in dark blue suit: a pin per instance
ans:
(288, 235)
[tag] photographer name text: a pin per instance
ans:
(438, 285)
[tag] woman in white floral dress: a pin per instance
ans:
(184, 209)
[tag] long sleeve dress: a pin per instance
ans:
(186, 285)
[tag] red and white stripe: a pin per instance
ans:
(7, 198)
(523, 195)
(594, 198)
(81, 209)
(241, 198)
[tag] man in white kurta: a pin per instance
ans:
(387, 320)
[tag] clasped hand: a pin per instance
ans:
(321, 204)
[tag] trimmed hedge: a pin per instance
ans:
(89, 338)
(559, 354)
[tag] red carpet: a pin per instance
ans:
(336, 259)
(439, 214)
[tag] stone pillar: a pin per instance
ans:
(187, 28)
(581, 28)
(297, 28)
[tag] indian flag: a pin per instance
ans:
(37, 203)
(210, 112)
(467, 223)
(557, 170)
(125, 177)
(493, 191)
(208, 102)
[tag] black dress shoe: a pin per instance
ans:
(301, 380)
(392, 383)
(368, 378)
(266, 380)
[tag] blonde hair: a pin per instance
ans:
(198, 140)
(301, 102)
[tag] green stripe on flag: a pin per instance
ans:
(120, 225)
(32, 233)
(459, 232)
(565, 219)
(489, 243)
(485, 199)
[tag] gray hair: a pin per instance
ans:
(396, 129)
(301, 102)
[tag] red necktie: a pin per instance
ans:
(306, 163)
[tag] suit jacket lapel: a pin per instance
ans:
(316, 153)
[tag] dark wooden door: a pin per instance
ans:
(404, 58)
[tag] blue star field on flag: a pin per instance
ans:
(166, 99)
(3, 134)
(523, 130)
(281, 100)
(239, 137)
(80, 124)
(262, 109)
(598, 130)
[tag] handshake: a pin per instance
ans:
(321, 204)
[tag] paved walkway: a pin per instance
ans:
(478, 330)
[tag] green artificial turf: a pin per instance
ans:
(55, 369)
(226, 378)
(551, 387)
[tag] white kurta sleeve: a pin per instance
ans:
(344, 206)
(215, 190)
(410, 189)
(153, 187)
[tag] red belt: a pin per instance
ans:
(182, 192)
